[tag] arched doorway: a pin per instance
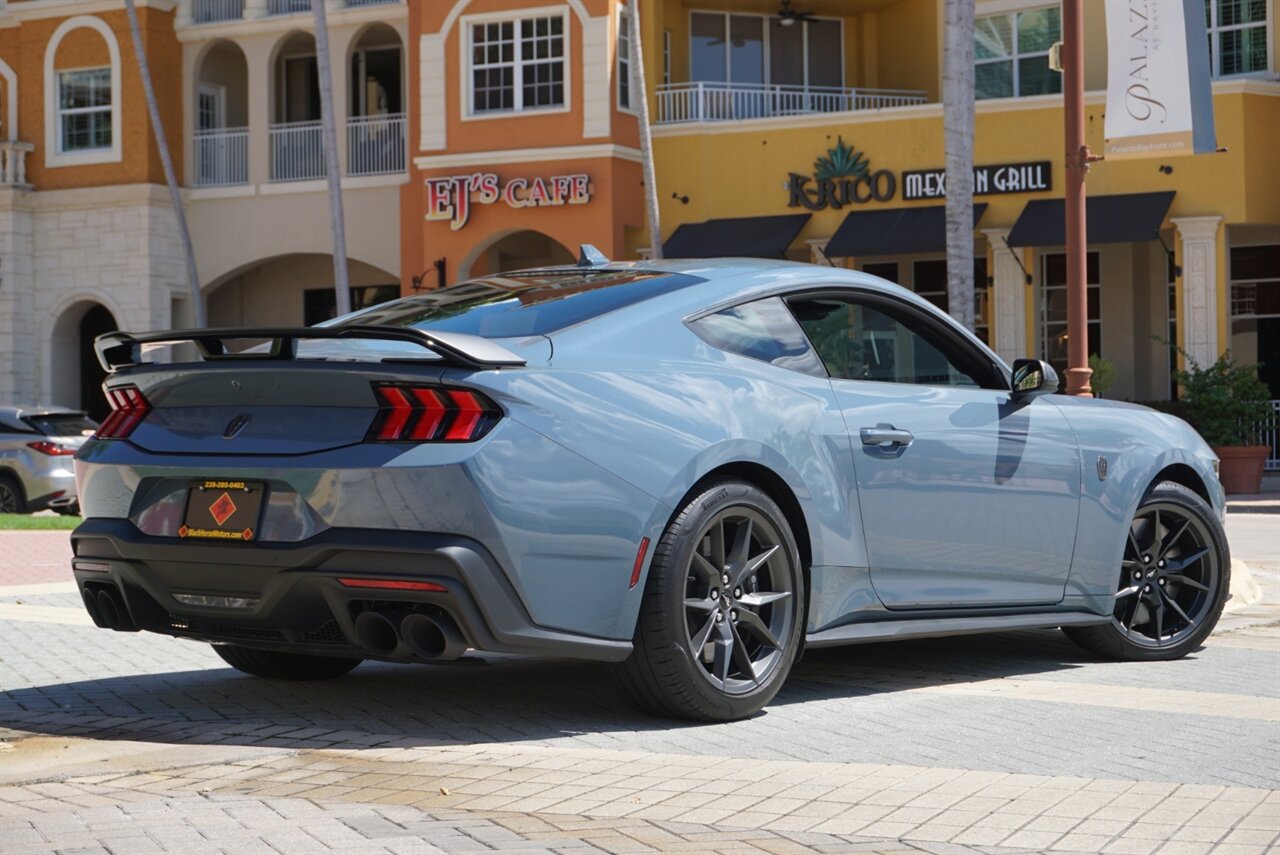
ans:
(291, 290)
(376, 115)
(221, 121)
(75, 373)
(517, 251)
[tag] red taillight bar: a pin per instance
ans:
(390, 584)
(421, 413)
(51, 448)
(128, 408)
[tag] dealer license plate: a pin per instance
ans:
(223, 510)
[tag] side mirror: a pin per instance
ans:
(1032, 378)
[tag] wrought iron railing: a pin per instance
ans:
(209, 11)
(704, 101)
(287, 7)
(375, 144)
(297, 151)
(222, 157)
(1270, 436)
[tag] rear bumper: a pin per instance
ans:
(295, 600)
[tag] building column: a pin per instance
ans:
(18, 341)
(1009, 299)
(258, 59)
(340, 41)
(1198, 306)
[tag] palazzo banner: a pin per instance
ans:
(1159, 99)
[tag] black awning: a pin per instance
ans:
(1122, 218)
(894, 231)
(747, 237)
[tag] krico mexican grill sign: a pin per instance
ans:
(451, 197)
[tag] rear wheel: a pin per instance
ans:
(720, 623)
(279, 665)
(1173, 580)
(12, 501)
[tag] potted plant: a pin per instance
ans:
(1228, 405)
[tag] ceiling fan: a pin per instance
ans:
(787, 16)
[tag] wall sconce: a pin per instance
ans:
(1166, 169)
(440, 265)
(684, 200)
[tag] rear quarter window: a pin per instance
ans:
(764, 330)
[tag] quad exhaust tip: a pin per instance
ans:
(427, 637)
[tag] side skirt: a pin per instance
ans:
(896, 630)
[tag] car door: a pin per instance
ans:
(968, 498)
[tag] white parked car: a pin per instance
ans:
(37, 447)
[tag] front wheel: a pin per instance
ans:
(1173, 581)
(721, 618)
(279, 665)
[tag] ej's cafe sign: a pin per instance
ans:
(452, 197)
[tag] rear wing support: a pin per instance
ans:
(117, 350)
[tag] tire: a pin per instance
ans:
(279, 665)
(1165, 610)
(750, 633)
(12, 498)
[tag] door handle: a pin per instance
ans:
(886, 436)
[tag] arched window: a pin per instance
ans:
(82, 104)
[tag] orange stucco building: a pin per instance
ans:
(492, 185)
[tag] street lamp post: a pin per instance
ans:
(1078, 159)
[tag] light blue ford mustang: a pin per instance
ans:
(692, 469)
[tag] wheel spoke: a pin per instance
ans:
(1133, 544)
(1173, 604)
(752, 622)
(1158, 608)
(724, 653)
(699, 641)
(711, 576)
(1186, 580)
(762, 598)
(742, 657)
(1155, 531)
(1180, 564)
(741, 543)
(754, 564)
(702, 604)
(718, 555)
(1172, 538)
(1127, 592)
(1133, 615)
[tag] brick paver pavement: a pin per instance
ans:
(1018, 742)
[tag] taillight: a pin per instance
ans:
(414, 413)
(128, 408)
(51, 448)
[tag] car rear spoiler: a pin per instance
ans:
(118, 350)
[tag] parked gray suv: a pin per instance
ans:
(37, 447)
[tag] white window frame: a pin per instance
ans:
(619, 62)
(1232, 282)
(219, 95)
(1012, 12)
(768, 28)
(466, 82)
(1215, 58)
(54, 157)
(63, 112)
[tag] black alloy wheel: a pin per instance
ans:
(720, 622)
(11, 499)
(1173, 580)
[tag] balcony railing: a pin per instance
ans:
(370, 2)
(1270, 436)
(209, 11)
(297, 151)
(704, 101)
(222, 157)
(13, 162)
(287, 7)
(375, 144)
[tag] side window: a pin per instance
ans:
(763, 330)
(871, 340)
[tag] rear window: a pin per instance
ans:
(62, 424)
(516, 305)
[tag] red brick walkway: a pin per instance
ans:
(35, 557)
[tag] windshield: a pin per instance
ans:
(521, 304)
(62, 424)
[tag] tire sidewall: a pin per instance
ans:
(675, 553)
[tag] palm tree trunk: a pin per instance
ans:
(640, 98)
(957, 123)
(175, 195)
(341, 283)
